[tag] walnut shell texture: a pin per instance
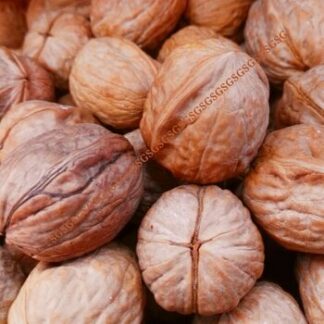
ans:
(103, 287)
(199, 251)
(204, 122)
(285, 188)
(22, 79)
(302, 25)
(111, 77)
(310, 273)
(303, 99)
(68, 191)
(145, 22)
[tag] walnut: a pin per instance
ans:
(303, 99)
(285, 188)
(68, 191)
(198, 245)
(265, 303)
(310, 273)
(286, 36)
(223, 16)
(11, 279)
(207, 112)
(103, 287)
(67, 100)
(22, 79)
(32, 118)
(145, 22)
(111, 77)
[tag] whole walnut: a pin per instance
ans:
(285, 188)
(22, 79)
(102, 287)
(286, 36)
(13, 23)
(68, 191)
(310, 273)
(11, 279)
(111, 77)
(32, 118)
(199, 251)
(145, 22)
(265, 303)
(223, 16)
(303, 99)
(207, 112)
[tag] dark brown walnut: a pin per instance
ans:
(22, 79)
(207, 112)
(265, 303)
(102, 287)
(145, 22)
(32, 118)
(310, 274)
(223, 16)
(111, 77)
(13, 23)
(285, 188)
(199, 251)
(11, 279)
(303, 99)
(68, 191)
(286, 36)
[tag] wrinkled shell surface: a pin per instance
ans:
(111, 77)
(199, 251)
(68, 191)
(32, 118)
(197, 137)
(145, 22)
(103, 287)
(302, 48)
(310, 273)
(22, 79)
(303, 99)
(285, 189)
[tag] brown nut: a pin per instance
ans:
(310, 274)
(32, 118)
(111, 77)
(199, 251)
(286, 36)
(11, 279)
(303, 99)
(68, 191)
(102, 287)
(285, 188)
(145, 22)
(207, 112)
(265, 303)
(22, 79)
(223, 16)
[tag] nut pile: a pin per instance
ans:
(161, 161)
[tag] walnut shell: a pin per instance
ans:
(286, 36)
(22, 79)
(11, 279)
(145, 22)
(310, 273)
(303, 99)
(196, 129)
(265, 303)
(111, 77)
(199, 251)
(103, 287)
(285, 188)
(68, 191)
(32, 118)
